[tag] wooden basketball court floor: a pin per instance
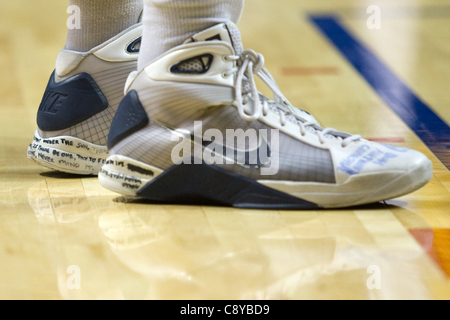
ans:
(398, 249)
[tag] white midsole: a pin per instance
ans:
(67, 154)
(125, 175)
(358, 189)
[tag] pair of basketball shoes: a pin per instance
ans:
(193, 129)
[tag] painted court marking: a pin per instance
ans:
(435, 244)
(420, 117)
(426, 124)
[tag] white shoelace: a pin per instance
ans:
(250, 63)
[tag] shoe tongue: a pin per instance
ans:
(227, 32)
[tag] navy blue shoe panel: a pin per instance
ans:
(70, 102)
(204, 184)
(130, 117)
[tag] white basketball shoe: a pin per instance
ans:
(79, 104)
(193, 129)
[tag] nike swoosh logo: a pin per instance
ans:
(133, 47)
(247, 155)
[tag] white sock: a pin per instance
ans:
(168, 23)
(101, 20)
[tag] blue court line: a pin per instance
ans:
(428, 126)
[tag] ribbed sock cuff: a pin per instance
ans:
(168, 23)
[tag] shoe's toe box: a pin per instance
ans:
(373, 172)
(380, 160)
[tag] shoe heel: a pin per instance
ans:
(126, 176)
(67, 154)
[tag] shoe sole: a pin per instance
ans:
(125, 175)
(209, 185)
(67, 154)
(359, 189)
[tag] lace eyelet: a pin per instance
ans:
(225, 58)
(225, 75)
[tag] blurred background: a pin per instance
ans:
(125, 249)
